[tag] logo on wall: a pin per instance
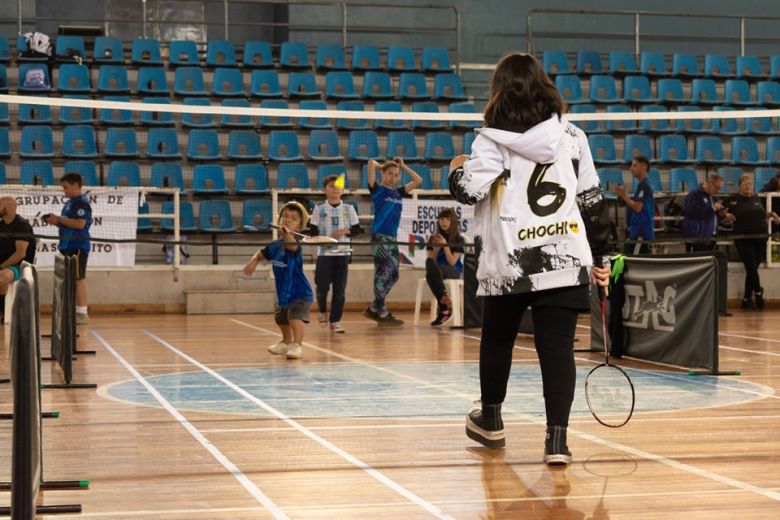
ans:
(646, 308)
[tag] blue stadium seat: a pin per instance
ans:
(703, 91)
(624, 125)
(429, 107)
(155, 118)
(654, 125)
(610, 179)
(654, 178)
(34, 114)
(67, 47)
(339, 84)
(653, 64)
(444, 182)
(463, 108)
(228, 82)
(220, 53)
(258, 54)
(144, 223)
(556, 62)
(233, 120)
(731, 175)
(448, 86)
(162, 143)
(214, 216)
(292, 175)
(167, 175)
(749, 67)
(602, 147)
(760, 125)
(36, 173)
(570, 89)
(330, 56)
(251, 178)
(243, 145)
(37, 142)
(727, 126)
(435, 59)
(189, 82)
(709, 150)
(112, 79)
(146, 51)
(87, 170)
(108, 50)
(203, 145)
(121, 143)
(5, 143)
(402, 144)
(152, 81)
(768, 93)
(3, 179)
(78, 142)
(115, 116)
(24, 69)
(283, 146)
(183, 53)
(673, 149)
(411, 85)
(685, 66)
(195, 120)
(364, 146)
(424, 171)
(22, 51)
(257, 215)
(774, 67)
(186, 216)
(738, 93)
(302, 84)
(278, 121)
(326, 170)
(682, 180)
(5, 117)
(587, 126)
(74, 79)
(390, 124)
(208, 179)
(622, 63)
(3, 79)
(4, 55)
(400, 58)
(439, 146)
(352, 124)
(468, 139)
(762, 176)
(773, 150)
(589, 62)
(365, 57)
(717, 66)
(603, 90)
(744, 150)
(294, 55)
(265, 84)
(692, 126)
(377, 85)
(123, 173)
(670, 90)
(324, 146)
(637, 144)
(636, 89)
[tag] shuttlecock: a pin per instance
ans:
(339, 182)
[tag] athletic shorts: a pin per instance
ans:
(17, 272)
(297, 310)
(81, 261)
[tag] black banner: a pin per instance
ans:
(63, 314)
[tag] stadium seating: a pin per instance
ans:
(352, 124)
(115, 116)
(214, 216)
(123, 173)
(153, 118)
(685, 66)
(209, 179)
(152, 81)
(411, 85)
(744, 150)
(251, 178)
(220, 53)
(435, 59)
(603, 149)
(327, 170)
(78, 142)
(228, 82)
(363, 146)
(87, 170)
(256, 215)
(324, 146)
(748, 67)
(203, 145)
(36, 173)
(448, 87)
(188, 81)
(302, 84)
(112, 79)
(186, 217)
(339, 84)
(37, 142)
(731, 177)
(603, 90)
(196, 120)
(292, 175)
(377, 85)
(439, 146)
(146, 51)
(167, 175)
(283, 146)
(637, 144)
(257, 54)
(182, 53)
(673, 149)
(68, 47)
(330, 56)
(365, 57)
(621, 63)
(589, 62)
(717, 66)
(400, 58)
(244, 145)
(108, 50)
(265, 84)
(653, 64)
(570, 89)
(233, 120)
(121, 143)
(709, 150)
(294, 55)
(312, 122)
(402, 144)
(35, 114)
(636, 89)
(74, 79)
(162, 143)
(556, 62)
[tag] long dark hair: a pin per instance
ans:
(453, 235)
(521, 94)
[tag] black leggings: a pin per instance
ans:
(554, 340)
(435, 275)
(751, 251)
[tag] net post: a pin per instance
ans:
(176, 233)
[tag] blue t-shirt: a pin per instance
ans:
(76, 208)
(441, 257)
(387, 209)
(640, 225)
(291, 283)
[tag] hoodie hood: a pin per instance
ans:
(539, 144)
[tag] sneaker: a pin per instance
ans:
(336, 327)
(389, 321)
(295, 351)
(760, 298)
(371, 314)
(442, 317)
(323, 320)
(556, 452)
(484, 425)
(747, 303)
(279, 349)
(82, 318)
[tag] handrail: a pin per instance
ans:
(637, 14)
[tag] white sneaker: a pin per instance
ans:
(279, 348)
(295, 351)
(336, 327)
(82, 318)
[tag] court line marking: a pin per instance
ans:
(777, 354)
(748, 337)
(250, 486)
(592, 438)
(382, 478)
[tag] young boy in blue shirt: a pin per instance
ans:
(293, 292)
(384, 230)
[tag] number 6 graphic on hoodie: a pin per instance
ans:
(538, 189)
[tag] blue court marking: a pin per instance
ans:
(353, 390)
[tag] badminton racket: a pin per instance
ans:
(608, 389)
(321, 240)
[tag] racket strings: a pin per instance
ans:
(610, 395)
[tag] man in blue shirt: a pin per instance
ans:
(640, 208)
(74, 223)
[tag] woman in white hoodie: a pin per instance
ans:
(541, 220)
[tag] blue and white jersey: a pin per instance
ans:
(328, 219)
(387, 209)
(76, 208)
(291, 283)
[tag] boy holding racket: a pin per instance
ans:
(293, 292)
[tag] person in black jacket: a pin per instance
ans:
(17, 243)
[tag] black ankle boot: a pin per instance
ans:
(555, 449)
(484, 425)
(747, 303)
(760, 298)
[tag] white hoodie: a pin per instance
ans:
(551, 205)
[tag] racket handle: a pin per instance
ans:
(597, 262)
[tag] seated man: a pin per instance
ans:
(17, 243)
